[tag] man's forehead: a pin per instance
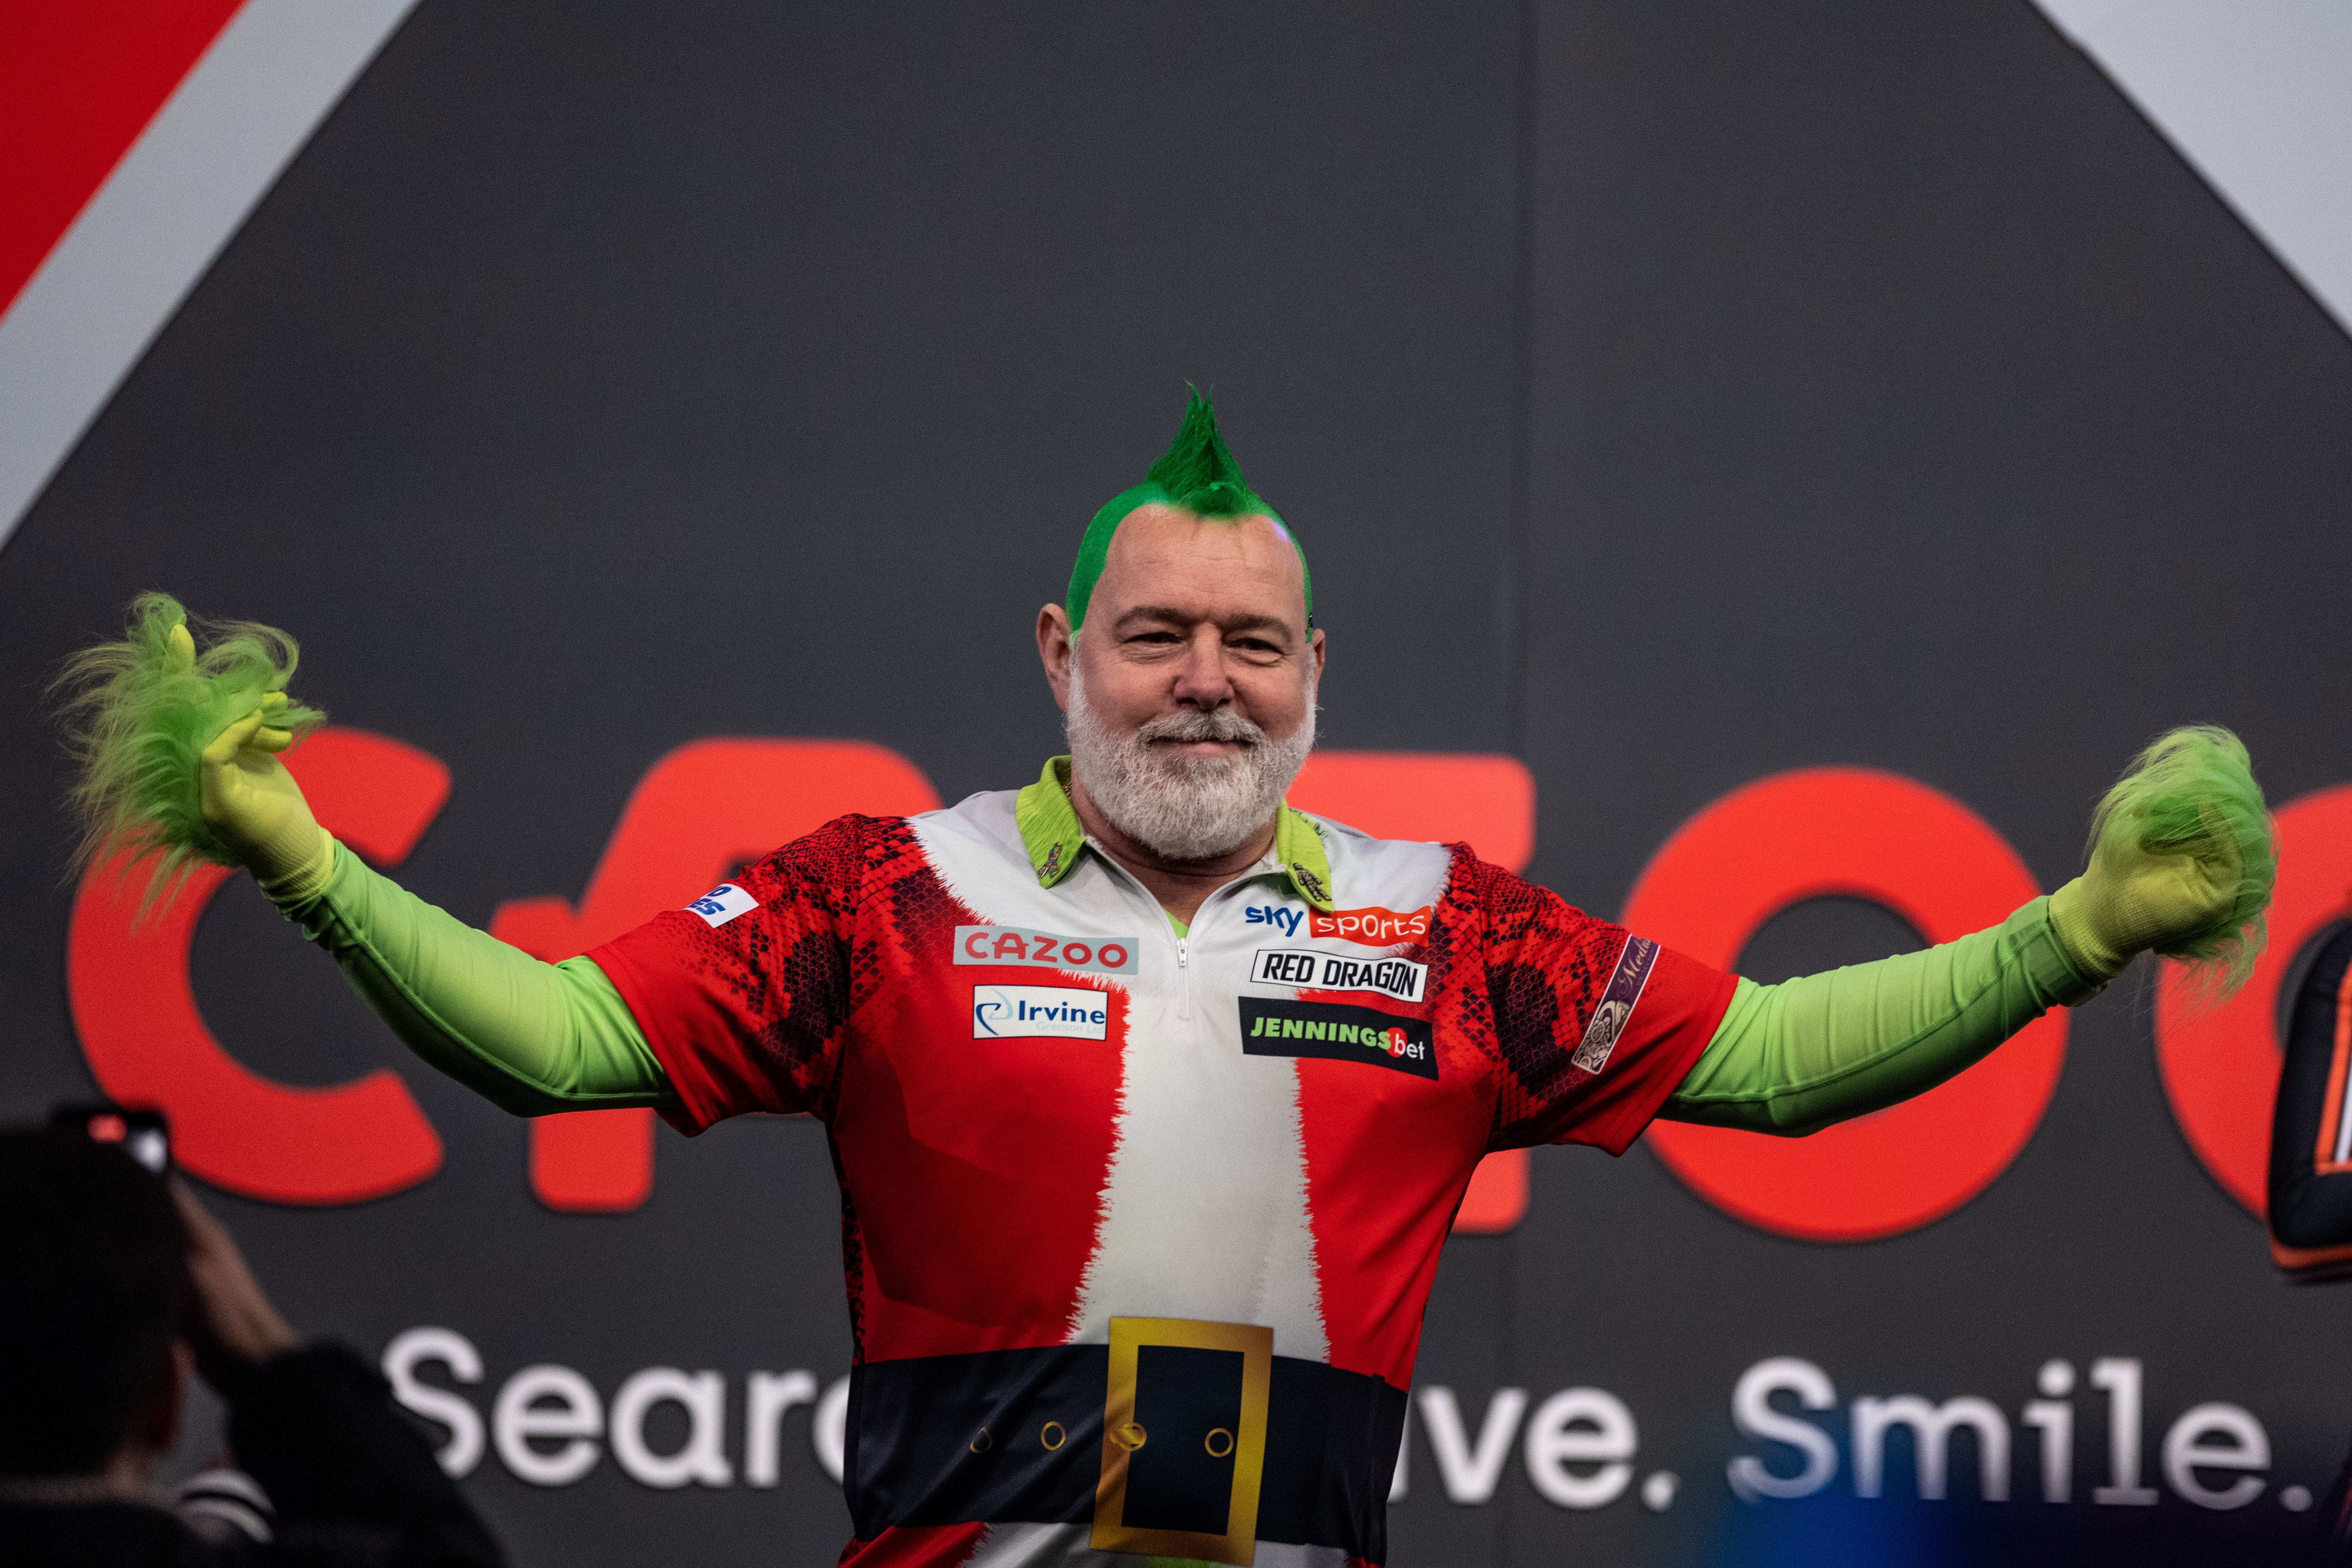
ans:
(1213, 569)
(1228, 616)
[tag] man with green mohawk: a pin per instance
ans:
(1151, 1098)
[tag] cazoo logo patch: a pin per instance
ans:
(1044, 950)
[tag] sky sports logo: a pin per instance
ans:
(1281, 917)
(1309, 970)
(1372, 926)
(1054, 1012)
(1333, 1032)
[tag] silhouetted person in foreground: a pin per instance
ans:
(114, 1285)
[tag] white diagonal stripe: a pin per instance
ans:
(2253, 95)
(184, 187)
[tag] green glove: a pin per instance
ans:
(177, 752)
(254, 804)
(2182, 856)
(179, 763)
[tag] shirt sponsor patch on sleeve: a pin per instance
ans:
(1617, 1002)
(722, 904)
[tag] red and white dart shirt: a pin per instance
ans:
(1138, 1226)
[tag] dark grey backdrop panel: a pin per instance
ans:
(1902, 400)
(602, 377)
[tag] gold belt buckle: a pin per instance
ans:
(1125, 1437)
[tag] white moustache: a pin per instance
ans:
(1194, 724)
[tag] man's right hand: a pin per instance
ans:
(2137, 896)
(252, 803)
(2182, 863)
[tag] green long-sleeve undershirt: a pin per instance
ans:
(1794, 1057)
(536, 1038)
(531, 1037)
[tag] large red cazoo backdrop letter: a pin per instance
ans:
(1821, 832)
(699, 813)
(1484, 800)
(2221, 1065)
(126, 982)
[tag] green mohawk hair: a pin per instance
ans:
(1196, 473)
(137, 718)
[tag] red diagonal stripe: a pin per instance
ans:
(78, 80)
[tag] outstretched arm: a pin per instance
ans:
(1792, 1059)
(531, 1038)
(180, 758)
(2181, 862)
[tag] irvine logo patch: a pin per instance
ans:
(1336, 1033)
(1056, 1012)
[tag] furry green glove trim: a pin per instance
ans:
(178, 750)
(2182, 856)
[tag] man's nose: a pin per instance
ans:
(1201, 678)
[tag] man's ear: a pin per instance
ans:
(1314, 647)
(1056, 645)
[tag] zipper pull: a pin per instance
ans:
(1184, 951)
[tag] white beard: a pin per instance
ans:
(1180, 807)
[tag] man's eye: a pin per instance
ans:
(1155, 636)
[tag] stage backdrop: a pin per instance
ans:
(1765, 467)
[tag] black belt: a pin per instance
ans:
(1006, 1436)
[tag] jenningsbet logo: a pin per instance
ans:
(1334, 1032)
(714, 805)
